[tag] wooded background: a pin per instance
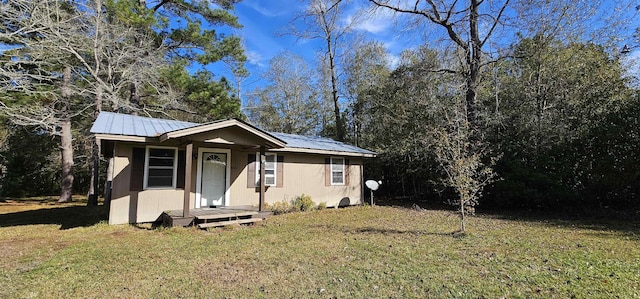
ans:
(531, 104)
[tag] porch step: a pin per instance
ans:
(223, 223)
(263, 214)
(226, 215)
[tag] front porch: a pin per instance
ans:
(214, 217)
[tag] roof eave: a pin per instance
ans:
(324, 152)
(116, 137)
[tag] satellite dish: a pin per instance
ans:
(373, 185)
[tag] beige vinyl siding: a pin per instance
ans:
(302, 174)
(139, 206)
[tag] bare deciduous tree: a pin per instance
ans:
(90, 58)
(461, 158)
(461, 24)
(289, 104)
(458, 144)
(322, 20)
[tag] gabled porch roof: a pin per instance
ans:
(270, 140)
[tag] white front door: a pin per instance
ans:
(213, 178)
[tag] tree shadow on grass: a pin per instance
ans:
(601, 221)
(387, 231)
(407, 202)
(382, 231)
(67, 217)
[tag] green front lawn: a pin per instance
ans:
(358, 252)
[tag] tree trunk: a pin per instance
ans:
(66, 139)
(92, 197)
(474, 56)
(134, 98)
(334, 92)
(134, 88)
(462, 216)
(66, 149)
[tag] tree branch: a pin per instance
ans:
(163, 2)
(436, 19)
(496, 21)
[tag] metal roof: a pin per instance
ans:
(132, 125)
(319, 143)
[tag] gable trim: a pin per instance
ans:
(270, 139)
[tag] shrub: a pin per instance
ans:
(303, 203)
(322, 206)
(280, 207)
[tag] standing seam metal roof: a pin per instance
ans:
(131, 125)
(319, 143)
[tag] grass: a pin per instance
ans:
(346, 253)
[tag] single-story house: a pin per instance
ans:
(160, 165)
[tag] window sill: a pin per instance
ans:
(160, 188)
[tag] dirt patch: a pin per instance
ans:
(24, 254)
(228, 274)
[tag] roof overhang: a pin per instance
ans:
(127, 138)
(231, 132)
(323, 152)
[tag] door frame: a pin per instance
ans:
(227, 191)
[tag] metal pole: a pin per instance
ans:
(372, 198)
(262, 182)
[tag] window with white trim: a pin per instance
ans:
(270, 167)
(161, 167)
(337, 171)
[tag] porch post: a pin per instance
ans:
(362, 199)
(262, 188)
(187, 179)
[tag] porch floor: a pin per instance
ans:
(215, 217)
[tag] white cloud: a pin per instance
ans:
(260, 9)
(275, 9)
(394, 61)
(255, 58)
(375, 22)
(391, 45)
(374, 26)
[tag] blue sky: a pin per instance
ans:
(262, 20)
